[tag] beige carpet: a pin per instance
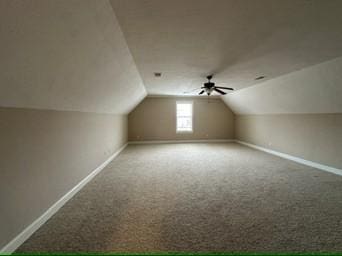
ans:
(199, 197)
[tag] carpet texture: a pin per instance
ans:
(198, 197)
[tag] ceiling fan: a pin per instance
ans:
(210, 87)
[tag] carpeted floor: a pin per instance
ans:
(198, 197)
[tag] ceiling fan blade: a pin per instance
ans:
(219, 91)
(201, 92)
(227, 88)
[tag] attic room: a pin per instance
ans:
(144, 126)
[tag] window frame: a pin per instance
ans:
(192, 115)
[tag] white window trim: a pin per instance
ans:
(192, 115)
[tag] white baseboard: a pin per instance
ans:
(179, 141)
(294, 158)
(29, 230)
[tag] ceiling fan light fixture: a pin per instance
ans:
(208, 90)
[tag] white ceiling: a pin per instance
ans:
(316, 89)
(237, 40)
(72, 55)
(66, 55)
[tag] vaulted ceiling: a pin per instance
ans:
(237, 40)
(100, 56)
(316, 89)
(66, 55)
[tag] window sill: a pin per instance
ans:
(184, 131)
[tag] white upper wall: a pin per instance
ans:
(317, 89)
(66, 55)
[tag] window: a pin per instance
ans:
(184, 116)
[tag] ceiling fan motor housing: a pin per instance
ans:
(209, 85)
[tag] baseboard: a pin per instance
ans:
(29, 230)
(294, 158)
(180, 141)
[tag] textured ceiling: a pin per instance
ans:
(237, 40)
(66, 55)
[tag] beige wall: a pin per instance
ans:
(44, 154)
(314, 137)
(67, 56)
(155, 119)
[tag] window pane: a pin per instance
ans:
(184, 122)
(184, 109)
(184, 117)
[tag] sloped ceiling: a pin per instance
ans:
(72, 54)
(317, 89)
(66, 55)
(237, 40)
